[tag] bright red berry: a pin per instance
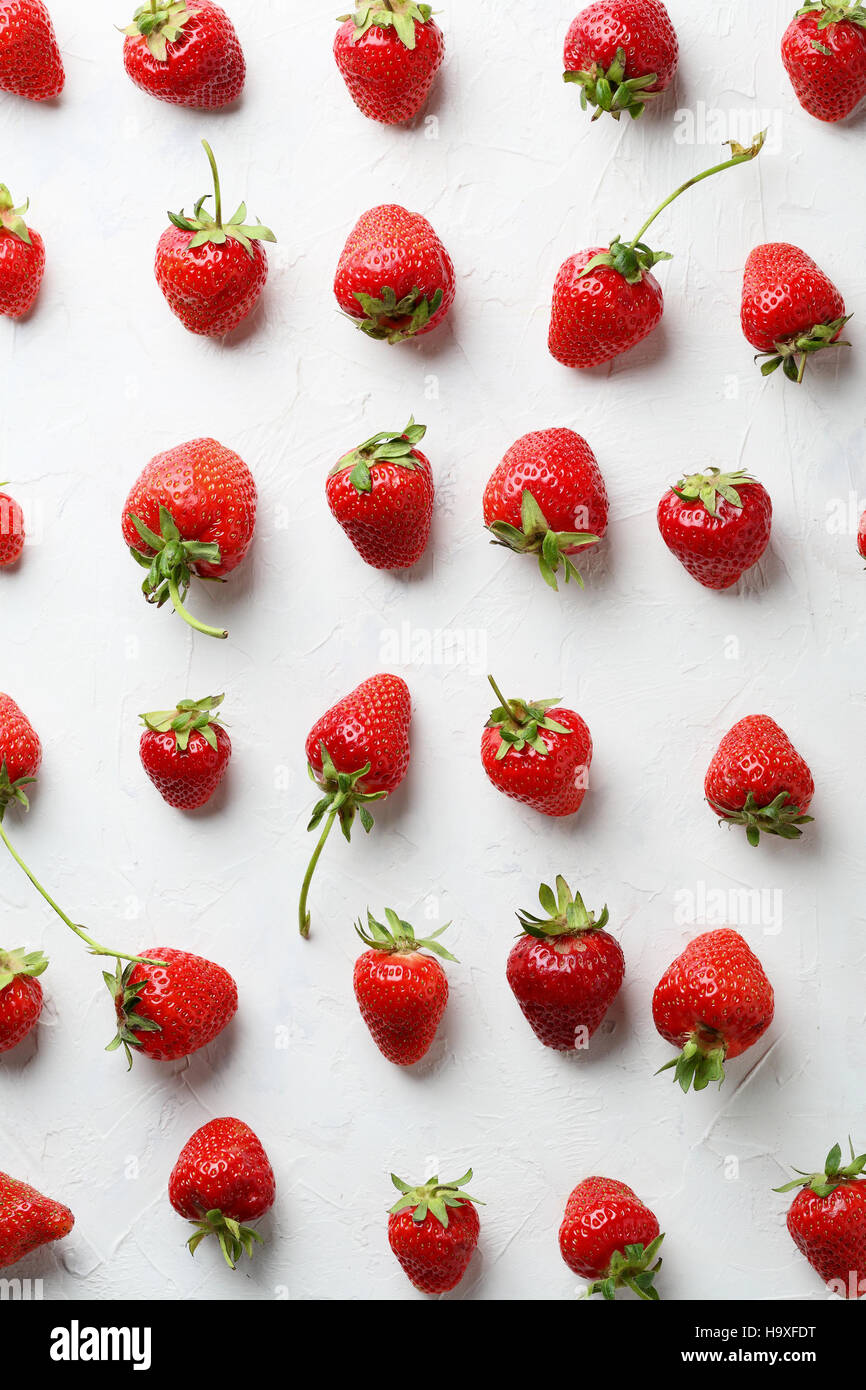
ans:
(433, 1230)
(20, 752)
(388, 55)
(538, 753)
(790, 309)
(22, 258)
(11, 530)
(185, 52)
(221, 1180)
(609, 1236)
(20, 995)
(758, 779)
(394, 276)
(170, 1010)
(30, 62)
(827, 1221)
(824, 52)
(717, 524)
(861, 536)
(621, 53)
(401, 991)
(28, 1220)
(185, 751)
(382, 495)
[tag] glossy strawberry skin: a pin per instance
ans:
(828, 85)
(369, 725)
(565, 984)
(191, 999)
(717, 990)
(560, 470)
(11, 530)
(598, 316)
(434, 1257)
(28, 1220)
(785, 294)
(204, 68)
(388, 81)
(20, 1007)
(554, 784)
(861, 536)
(642, 28)
(399, 250)
(831, 1233)
(716, 550)
(757, 756)
(186, 778)
(20, 749)
(602, 1216)
(22, 267)
(210, 288)
(30, 62)
(402, 997)
(390, 525)
(223, 1167)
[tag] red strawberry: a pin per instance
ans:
(564, 971)
(790, 308)
(547, 498)
(401, 992)
(758, 779)
(861, 536)
(212, 272)
(394, 277)
(221, 1180)
(28, 1220)
(357, 752)
(382, 495)
(192, 512)
(824, 52)
(185, 751)
(433, 1230)
(609, 1236)
(185, 52)
(171, 1010)
(11, 530)
(20, 995)
(714, 1002)
(388, 53)
(22, 257)
(717, 524)
(537, 753)
(827, 1221)
(605, 300)
(622, 53)
(30, 62)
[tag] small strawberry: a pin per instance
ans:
(790, 309)
(758, 779)
(714, 1002)
(20, 995)
(605, 299)
(861, 536)
(608, 1235)
(433, 1230)
(717, 524)
(185, 52)
(30, 62)
(622, 53)
(565, 970)
(538, 753)
(827, 1221)
(11, 530)
(191, 513)
(547, 498)
(824, 52)
(28, 1220)
(382, 495)
(388, 53)
(394, 278)
(221, 1180)
(212, 272)
(170, 1010)
(185, 751)
(22, 257)
(401, 992)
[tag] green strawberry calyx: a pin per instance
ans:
(389, 447)
(792, 354)
(535, 537)
(566, 914)
(212, 230)
(610, 90)
(399, 15)
(189, 717)
(159, 23)
(13, 791)
(782, 817)
(708, 487)
(235, 1240)
(393, 320)
(701, 1060)
(631, 1268)
(520, 723)
(11, 218)
(170, 562)
(344, 798)
(399, 936)
(18, 962)
(432, 1196)
(834, 1174)
(130, 1023)
(829, 12)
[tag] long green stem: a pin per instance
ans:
(506, 704)
(742, 158)
(303, 914)
(218, 202)
(177, 604)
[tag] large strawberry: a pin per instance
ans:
(824, 52)
(222, 1180)
(621, 53)
(538, 753)
(433, 1230)
(11, 530)
(401, 991)
(185, 52)
(757, 779)
(714, 1002)
(388, 53)
(609, 1236)
(185, 751)
(28, 1220)
(22, 258)
(547, 498)
(191, 513)
(790, 309)
(30, 62)
(606, 299)
(394, 277)
(20, 995)
(382, 495)
(169, 1011)
(827, 1221)
(717, 524)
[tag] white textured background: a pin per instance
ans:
(101, 377)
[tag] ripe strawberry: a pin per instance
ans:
(171, 1010)
(433, 1230)
(717, 524)
(28, 1220)
(790, 308)
(357, 752)
(547, 498)
(621, 53)
(11, 530)
(537, 753)
(22, 257)
(388, 53)
(861, 536)
(394, 278)
(382, 495)
(824, 52)
(564, 971)
(30, 62)
(401, 992)
(185, 751)
(827, 1221)
(20, 995)
(185, 52)
(758, 779)
(714, 1002)
(212, 272)
(192, 512)
(609, 1236)
(605, 299)
(221, 1180)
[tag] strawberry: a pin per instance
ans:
(28, 1220)
(221, 1180)
(824, 52)
(621, 53)
(20, 995)
(11, 530)
(565, 970)
(185, 52)
(394, 278)
(433, 1230)
(790, 309)
(212, 272)
(547, 498)
(30, 62)
(401, 992)
(714, 1002)
(185, 751)
(192, 512)
(169, 1011)
(605, 299)
(357, 752)
(758, 779)
(388, 53)
(537, 753)
(22, 258)
(827, 1221)
(861, 536)
(608, 1235)
(382, 495)
(717, 524)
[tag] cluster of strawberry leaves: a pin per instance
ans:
(433, 1196)
(520, 723)
(535, 537)
(387, 447)
(610, 90)
(399, 14)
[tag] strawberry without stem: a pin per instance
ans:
(608, 1235)
(28, 1220)
(537, 753)
(171, 1010)
(433, 1230)
(20, 995)
(185, 52)
(757, 779)
(22, 258)
(388, 53)
(394, 277)
(382, 495)
(401, 992)
(221, 1180)
(185, 751)
(790, 309)
(30, 62)
(621, 53)
(11, 530)
(824, 52)
(717, 524)
(827, 1221)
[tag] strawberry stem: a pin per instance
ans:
(506, 704)
(740, 156)
(218, 202)
(303, 914)
(177, 605)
